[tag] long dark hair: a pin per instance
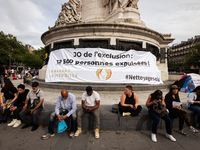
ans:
(171, 91)
(155, 94)
(8, 85)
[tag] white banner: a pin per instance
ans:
(102, 66)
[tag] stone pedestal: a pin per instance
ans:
(42, 72)
(116, 28)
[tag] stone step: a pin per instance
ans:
(110, 121)
(101, 86)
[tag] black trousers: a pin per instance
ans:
(16, 113)
(129, 109)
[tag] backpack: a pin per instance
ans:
(115, 109)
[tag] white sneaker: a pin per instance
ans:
(12, 122)
(171, 137)
(96, 131)
(153, 137)
(18, 122)
(78, 131)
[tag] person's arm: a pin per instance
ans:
(191, 99)
(149, 103)
(25, 104)
(37, 106)
(58, 106)
(122, 101)
(2, 104)
(136, 101)
(14, 99)
(168, 101)
(74, 108)
(95, 107)
(83, 105)
(163, 101)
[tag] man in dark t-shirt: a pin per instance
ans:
(18, 105)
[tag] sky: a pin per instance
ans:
(29, 19)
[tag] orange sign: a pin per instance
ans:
(103, 74)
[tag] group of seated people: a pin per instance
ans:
(24, 106)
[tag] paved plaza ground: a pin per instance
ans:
(18, 139)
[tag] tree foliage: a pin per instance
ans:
(32, 60)
(193, 58)
(10, 43)
(173, 66)
(19, 53)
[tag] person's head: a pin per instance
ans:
(89, 90)
(8, 85)
(128, 89)
(197, 90)
(174, 90)
(21, 88)
(35, 86)
(157, 95)
(64, 93)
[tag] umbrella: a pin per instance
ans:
(188, 82)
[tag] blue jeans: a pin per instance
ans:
(196, 109)
(53, 118)
(156, 120)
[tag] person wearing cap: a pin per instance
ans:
(90, 104)
(174, 106)
(36, 98)
(66, 105)
(18, 105)
(193, 103)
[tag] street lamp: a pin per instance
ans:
(9, 56)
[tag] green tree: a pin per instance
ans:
(193, 58)
(10, 43)
(32, 60)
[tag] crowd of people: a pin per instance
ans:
(24, 106)
(26, 75)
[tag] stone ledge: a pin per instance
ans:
(101, 86)
(109, 120)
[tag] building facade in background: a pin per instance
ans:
(177, 52)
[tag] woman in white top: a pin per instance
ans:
(193, 103)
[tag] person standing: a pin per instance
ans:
(177, 111)
(66, 105)
(18, 105)
(129, 102)
(90, 104)
(36, 99)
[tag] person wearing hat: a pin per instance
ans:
(36, 98)
(193, 103)
(174, 106)
(90, 104)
